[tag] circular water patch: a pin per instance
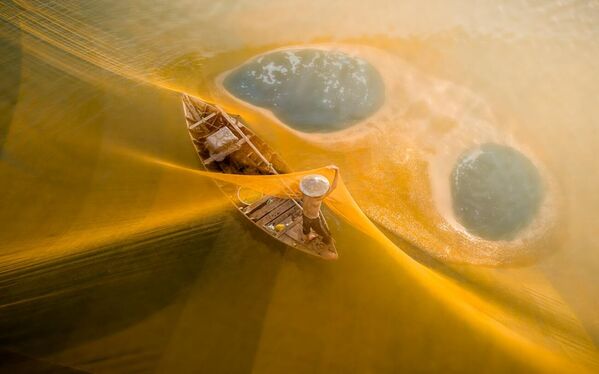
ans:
(310, 90)
(496, 191)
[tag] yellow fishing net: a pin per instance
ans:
(521, 337)
(96, 159)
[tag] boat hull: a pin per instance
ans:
(247, 154)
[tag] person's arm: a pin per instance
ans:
(335, 179)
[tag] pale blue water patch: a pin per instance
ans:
(310, 90)
(496, 191)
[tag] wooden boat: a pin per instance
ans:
(225, 145)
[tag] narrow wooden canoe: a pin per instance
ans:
(225, 145)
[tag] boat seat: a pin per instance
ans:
(221, 155)
(201, 121)
(221, 143)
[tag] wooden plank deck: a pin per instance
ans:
(273, 204)
(256, 205)
(286, 217)
(295, 232)
(273, 214)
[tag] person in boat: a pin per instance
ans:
(315, 188)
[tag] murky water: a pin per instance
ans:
(496, 191)
(309, 89)
(113, 261)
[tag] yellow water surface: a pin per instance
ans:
(117, 254)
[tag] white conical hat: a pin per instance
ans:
(314, 185)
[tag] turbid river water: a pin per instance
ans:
(465, 132)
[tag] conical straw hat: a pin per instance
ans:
(314, 185)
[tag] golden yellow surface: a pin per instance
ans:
(118, 254)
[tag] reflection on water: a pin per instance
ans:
(112, 263)
(309, 89)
